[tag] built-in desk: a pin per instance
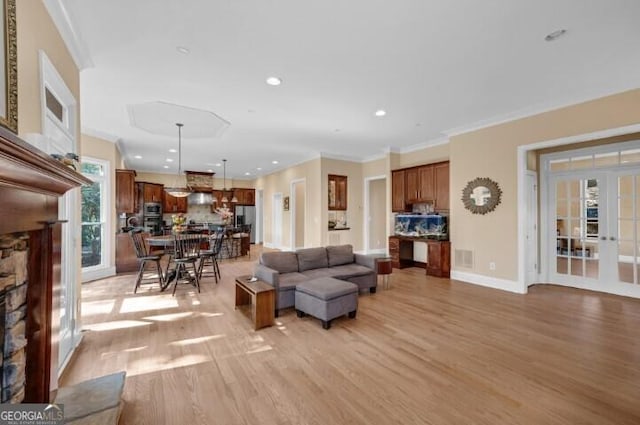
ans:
(437, 263)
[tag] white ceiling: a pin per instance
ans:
(433, 65)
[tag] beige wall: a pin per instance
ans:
(36, 31)
(102, 149)
(300, 194)
(280, 182)
(377, 213)
(492, 152)
(423, 156)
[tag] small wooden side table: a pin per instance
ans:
(260, 296)
(383, 266)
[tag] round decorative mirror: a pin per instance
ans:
(481, 195)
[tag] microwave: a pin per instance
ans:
(152, 209)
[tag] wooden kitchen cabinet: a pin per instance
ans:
(152, 192)
(126, 259)
(174, 205)
(125, 191)
(245, 196)
(217, 200)
(337, 189)
(422, 184)
(419, 184)
(398, 203)
(439, 258)
(441, 172)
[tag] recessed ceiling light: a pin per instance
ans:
(274, 81)
(555, 35)
(166, 166)
(138, 157)
(274, 162)
(183, 50)
(209, 171)
(247, 173)
(380, 113)
(218, 164)
(259, 168)
(172, 150)
(169, 160)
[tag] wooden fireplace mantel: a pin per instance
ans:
(30, 184)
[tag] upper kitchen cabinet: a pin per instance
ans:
(337, 192)
(173, 204)
(441, 172)
(420, 184)
(398, 191)
(152, 192)
(245, 196)
(125, 191)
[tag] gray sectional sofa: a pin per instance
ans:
(284, 270)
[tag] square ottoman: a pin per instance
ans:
(326, 298)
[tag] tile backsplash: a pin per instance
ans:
(198, 214)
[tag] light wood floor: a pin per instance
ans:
(426, 351)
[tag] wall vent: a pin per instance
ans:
(464, 258)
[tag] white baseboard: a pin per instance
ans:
(488, 281)
(88, 276)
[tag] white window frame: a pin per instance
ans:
(104, 269)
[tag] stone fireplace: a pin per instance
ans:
(13, 312)
(31, 182)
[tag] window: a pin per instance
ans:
(93, 214)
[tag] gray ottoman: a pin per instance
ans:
(326, 298)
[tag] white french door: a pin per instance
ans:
(594, 230)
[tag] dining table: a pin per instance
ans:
(166, 244)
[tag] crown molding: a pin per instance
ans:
(70, 35)
(442, 140)
(530, 111)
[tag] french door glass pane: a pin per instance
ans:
(628, 228)
(92, 227)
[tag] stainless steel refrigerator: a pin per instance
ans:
(247, 215)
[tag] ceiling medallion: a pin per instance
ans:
(482, 195)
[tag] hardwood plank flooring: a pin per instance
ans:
(426, 351)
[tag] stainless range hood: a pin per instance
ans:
(200, 198)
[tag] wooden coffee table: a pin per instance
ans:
(260, 296)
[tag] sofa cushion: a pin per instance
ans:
(316, 273)
(351, 270)
(288, 281)
(340, 254)
(282, 262)
(312, 258)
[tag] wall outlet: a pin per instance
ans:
(492, 266)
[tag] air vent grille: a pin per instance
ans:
(464, 258)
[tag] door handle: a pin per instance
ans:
(604, 238)
(611, 238)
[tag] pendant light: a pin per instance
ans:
(178, 192)
(224, 199)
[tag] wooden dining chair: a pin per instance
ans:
(211, 254)
(144, 256)
(187, 251)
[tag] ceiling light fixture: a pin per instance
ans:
(555, 35)
(169, 160)
(183, 50)
(247, 173)
(224, 199)
(274, 162)
(166, 166)
(259, 168)
(172, 150)
(274, 81)
(138, 157)
(380, 113)
(178, 192)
